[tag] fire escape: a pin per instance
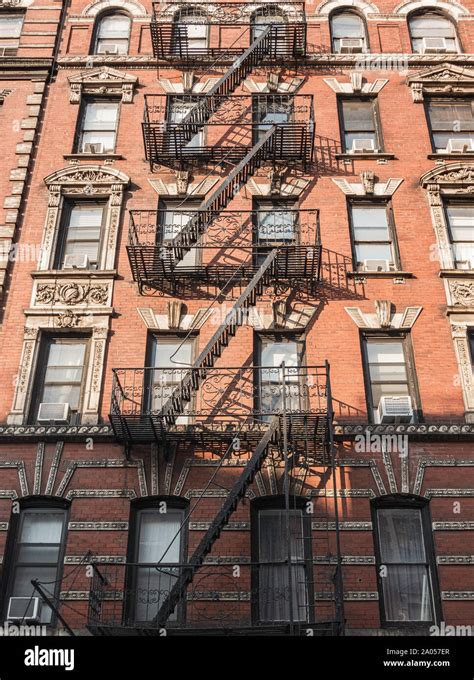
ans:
(280, 413)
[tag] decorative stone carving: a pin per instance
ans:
(368, 181)
(387, 188)
(67, 319)
(279, 308)
(169, 187)
(175, 310)
(188, 81)
(443, 79)
(272, 81)
(182, 182)
(104, 81)
(383, 308)
(275, 175)
(356, 81)
(71, 293)
(462, 293)
(356, 85)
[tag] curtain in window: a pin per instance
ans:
(406, 587)
(432, 26)
(275, 592)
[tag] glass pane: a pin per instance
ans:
(358, 115)
(153, 585)
(38, 554)
(388, 372)
(385, 352)
(159, 538)
(172, 353)
(10, 26)
(100, 115)
(431, 26)
(66, 354)
(388, 390)
(62, 394)
(401, 535)
(347, 25)
(86, 216)
(407, 594)
(41, 527)
(22, 586)
(114, 26)
(374, 252)
(276, 225)
(370, 217)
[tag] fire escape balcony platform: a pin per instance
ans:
(222, 31)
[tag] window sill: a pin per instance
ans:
(87, 156)
(365, 156)
(451, 156)
(458, 273)
(76, 273)
(380, 275)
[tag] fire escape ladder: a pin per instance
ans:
(236, 494)
(182, 394)
(219, 200)
(199, 115)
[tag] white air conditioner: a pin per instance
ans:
(97, 147)
(395, 409)
(433, 45)
(363, 146)
(351, 45)
(53, 413)
(108, 48)
(76, 262)
(376, 265)
(459, 145)
(24, 609)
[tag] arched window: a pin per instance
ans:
(277, 590)
(190, 32)
(35, 550)
(406, 564)
(263, 17)
(348, 33)
(112, 34)
(432, 32)
(157, 537)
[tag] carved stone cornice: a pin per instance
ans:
(446, 78)
(103, 81)
(386, 188)
(457, 176)
(435, 431)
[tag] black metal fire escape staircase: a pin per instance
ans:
(222, 518)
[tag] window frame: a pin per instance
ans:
(412, 381)
(187, 205)
(114, 11)
(177, 48)
(171, 99)
(420, 12)
(379, 141)
(470, 344)
(462, 98)
(278, 203)
(258, 129)
(455, 201)
(392, 231)
(64, 223)
(139, 506)
(12, 547)
(349, 10)
(277, 502)
(41, 367)
(79, 134)
(407, 501)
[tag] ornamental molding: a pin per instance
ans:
(460, 292)
(287, 86)
(443, 79)
(438, 432)
(181, 86)
(327, 6)
(385, 317)
(238, 13)
(102, 81)
(356, 85)
(131, 6)
(41, 433)
(387, 188)
(172, 186)
(98, 526)
(454, 9)
(461, 325)
(86, 175)
(187, 322)
(72, 293)
(457, 175)
(276, 182)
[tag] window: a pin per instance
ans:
(61, 375)
(112, 34)
(281, 585)
(348, 33)
(460, 220)
(170, 359)
(360, 129)
(373, 235)
(190, 31)
(264, 17)
(451, 123)
(431, 32)
(157, 538)
(10, 32)
(173, 217)
(272, 350)
(269, 111)
(389, 372)
(405, 561)
(178, 109)
(36, 544)
(276, 223)
(80, 235)
(98, 127)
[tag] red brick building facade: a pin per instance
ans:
(237, 333)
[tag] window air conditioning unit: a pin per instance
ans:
(24, 609)
(351, 45)
(434, 45)
(53, 413)
(108, 48)
(97, 147)
(459, 145)
(395, 409)
(363, 146)
(76, 262)
(377, 265)
(465, 264)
